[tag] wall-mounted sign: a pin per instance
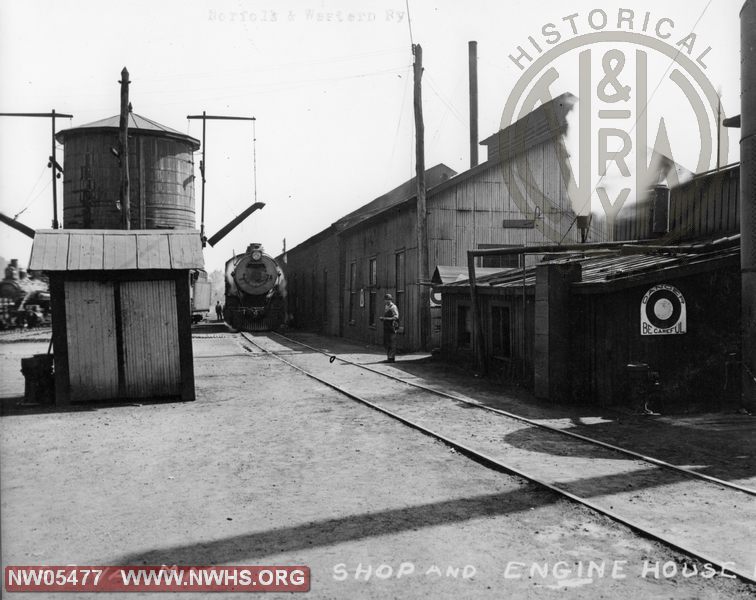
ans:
(362, 298)
(663, 312)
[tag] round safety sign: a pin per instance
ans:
(662, 311)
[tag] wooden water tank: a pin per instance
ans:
(161, 172)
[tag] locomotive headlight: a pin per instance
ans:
(256, 255)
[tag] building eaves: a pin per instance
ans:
(111, 250)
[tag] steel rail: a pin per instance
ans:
(497, 465)
(475, 403)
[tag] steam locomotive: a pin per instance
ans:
(23, 300)
(255, 291)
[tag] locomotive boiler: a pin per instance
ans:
(255, 291)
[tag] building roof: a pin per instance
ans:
(137, 123)
(546, 122)
(625, 267)
(110, 250)
(406, 191)
(447, 274)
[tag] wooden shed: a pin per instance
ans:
(121, 311)
(588, 320)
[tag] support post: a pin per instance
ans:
(205, 117)
(52, 162)
(422, 215)
(748, 200)
(54, 170)
(202, 172)
(123, 132)
(477, 326)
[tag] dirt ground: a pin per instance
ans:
(267, 467)
(717, 443)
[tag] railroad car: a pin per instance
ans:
(255, 291)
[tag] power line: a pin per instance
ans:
(401, 112)
(409, 23)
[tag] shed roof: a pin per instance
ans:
(448, 274)
(622, 268)
(110, 250)
(136, 123)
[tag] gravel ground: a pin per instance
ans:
(267, 467)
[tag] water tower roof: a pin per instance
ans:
(136, 123)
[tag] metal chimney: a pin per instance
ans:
(660, 210)
(748, 197)
(472, 48)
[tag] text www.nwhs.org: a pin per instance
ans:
(157, 579)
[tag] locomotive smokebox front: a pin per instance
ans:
(255, 274)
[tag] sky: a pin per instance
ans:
(328, 81)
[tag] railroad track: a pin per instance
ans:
(679, 507)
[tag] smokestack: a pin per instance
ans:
(660, 210)
(748, 197)
(472, 58)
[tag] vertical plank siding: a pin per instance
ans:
(91, 344)
(706, 206)
(691, 367)
(461, 215)
(152, 366)
(314, 304)
(161, 171)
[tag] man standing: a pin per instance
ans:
(218, 311)
(390, 320)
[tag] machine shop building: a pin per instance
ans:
(121, 311)
(602, 326)
(338, 277)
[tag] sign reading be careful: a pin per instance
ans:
(662, 311)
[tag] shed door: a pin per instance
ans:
(150, 339)
(92, 346)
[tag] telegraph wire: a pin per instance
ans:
(409, 23)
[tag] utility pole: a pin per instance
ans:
(123, 152)
(422, 215)
(472, 64)
(203, 164)
(52, 162)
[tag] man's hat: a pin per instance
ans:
(388, 297)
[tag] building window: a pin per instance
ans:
(400, 283)
(464, 327)
(325, 295)
(506, 261)
(352, 290)
(500, 332)
(373, 292)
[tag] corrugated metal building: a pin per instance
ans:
(518, 196)
(121, 311)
